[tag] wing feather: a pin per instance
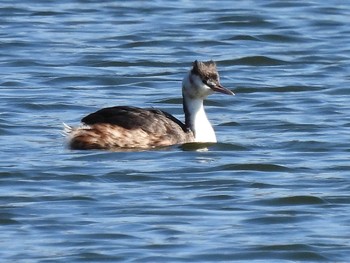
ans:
(134, 118)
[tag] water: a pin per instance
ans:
(274, 189)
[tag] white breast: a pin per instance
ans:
(203, 130)
(199, 123)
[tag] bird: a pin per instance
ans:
(128, 127)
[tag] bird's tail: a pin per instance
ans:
(82, 137)
(66, 129)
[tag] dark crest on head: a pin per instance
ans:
(206, 70)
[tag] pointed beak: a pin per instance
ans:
(219, 88)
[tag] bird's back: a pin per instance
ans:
(129, 127)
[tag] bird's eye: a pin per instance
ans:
(205, 81)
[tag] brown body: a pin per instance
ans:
(124, 127)
(129, 127)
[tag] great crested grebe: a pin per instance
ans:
(130, 127)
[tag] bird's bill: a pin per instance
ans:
(219, 88)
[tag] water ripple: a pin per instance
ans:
(255, 167)
(274, 188)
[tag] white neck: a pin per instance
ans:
(198, 121)
(194, 92)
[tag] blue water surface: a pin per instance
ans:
(275, 188)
